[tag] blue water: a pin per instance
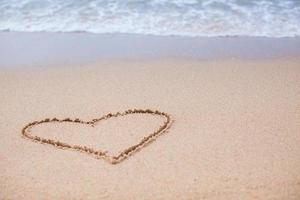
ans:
(270, 18)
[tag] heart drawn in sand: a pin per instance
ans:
(101, 153)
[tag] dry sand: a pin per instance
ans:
(236, 133)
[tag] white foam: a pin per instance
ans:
(271, 18)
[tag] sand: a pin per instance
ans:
(235, 135)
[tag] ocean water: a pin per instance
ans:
(270, 18)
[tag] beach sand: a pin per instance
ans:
(235, 135)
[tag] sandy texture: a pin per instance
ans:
(236, 132)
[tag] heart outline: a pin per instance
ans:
(127, 152)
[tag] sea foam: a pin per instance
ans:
(270, 18)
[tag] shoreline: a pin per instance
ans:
(57, 49)
(150, 34)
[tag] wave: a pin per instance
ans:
(270, 18)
